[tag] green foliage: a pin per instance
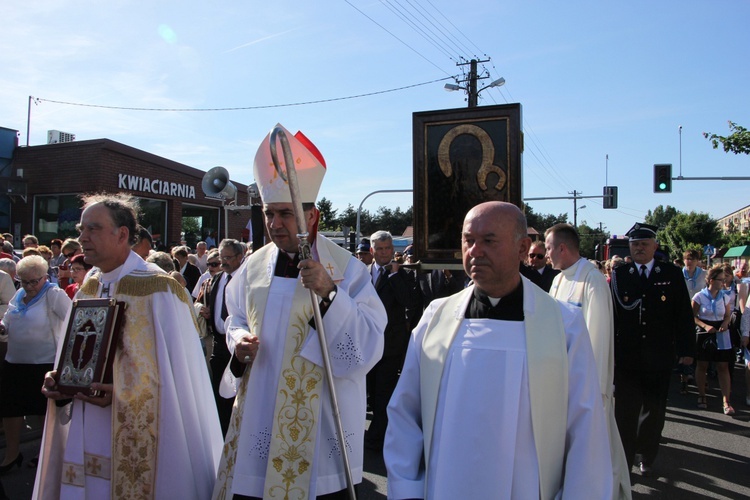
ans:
(661, 216)
(590, 237)
(542, 222)
(191, 225)
(738, 142)
(328, 221)
(735, 238)
(685, 231)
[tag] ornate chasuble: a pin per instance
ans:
(135, 404)
(297, 405)
(547, 361)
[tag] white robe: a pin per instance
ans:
(483, 443)
(354, 326)
(584, 286)
(189, 435)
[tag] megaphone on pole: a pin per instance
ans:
(216, 184)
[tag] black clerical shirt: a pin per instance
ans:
(510, 307)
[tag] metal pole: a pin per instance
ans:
(305, 253)
(359, 210)
(28, 121)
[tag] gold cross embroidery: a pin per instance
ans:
(330, 268)
(70, 473)
(94, 466)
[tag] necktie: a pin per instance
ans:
(644, 278)
(381, 276)
(224, 312)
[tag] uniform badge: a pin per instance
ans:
(632, 270)
(625, 298)
(663, 298)
(657, 269)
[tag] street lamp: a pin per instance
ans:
(471, 88)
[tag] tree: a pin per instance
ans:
(735, 238)
(328, 221)
(661, 216)
(542, 222)
(738, 142)
(687, 231)
(590, 237)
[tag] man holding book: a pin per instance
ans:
(153, 432)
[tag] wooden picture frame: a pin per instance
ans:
(462, 157)
(89, 345)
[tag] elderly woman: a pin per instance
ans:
(712, 309)
(78, 270)
(31, 327)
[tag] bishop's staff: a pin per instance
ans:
(290, 176)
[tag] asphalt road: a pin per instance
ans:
(704, 453)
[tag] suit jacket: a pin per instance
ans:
(548, 276)
(394, 294)
(192, 274)
(212, 302)
(652, 323)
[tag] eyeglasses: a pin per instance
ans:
(214, 264)
(69, 255)
(536, 256)
(77, 269)
(225, 258)
(31, 282)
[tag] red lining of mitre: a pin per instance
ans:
(310, 147)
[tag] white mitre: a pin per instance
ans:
(308, 162)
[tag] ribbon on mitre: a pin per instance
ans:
(308, 162)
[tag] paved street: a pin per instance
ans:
(705, 454)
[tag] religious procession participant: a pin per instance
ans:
(282, 440)
(653, 327)
(496, 398)
(154, 433)
(581, 284)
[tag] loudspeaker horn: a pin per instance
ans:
(216, 184)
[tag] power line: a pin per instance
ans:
(245, 108)
(397, 38)
(411, 21)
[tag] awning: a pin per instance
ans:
(743, 251)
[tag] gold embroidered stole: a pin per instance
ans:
(135, 403)
(547, 361)
(297, 407)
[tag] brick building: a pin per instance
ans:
(173, 204)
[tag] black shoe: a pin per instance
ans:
(17, 463)
(645, 469)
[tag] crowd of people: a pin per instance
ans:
(220, 388)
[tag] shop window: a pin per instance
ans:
(56, 216)
(198, 223)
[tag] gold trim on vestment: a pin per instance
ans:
(297, 411)
(135, 403)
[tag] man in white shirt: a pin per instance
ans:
(581, 284)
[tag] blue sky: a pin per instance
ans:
(594, 79)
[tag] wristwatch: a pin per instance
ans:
(327, 300)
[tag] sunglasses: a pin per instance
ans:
(214, 264)
(69, 255)
(536, 256)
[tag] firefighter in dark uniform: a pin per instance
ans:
(653, 324)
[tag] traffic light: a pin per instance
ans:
(610, 197)
(663, 178)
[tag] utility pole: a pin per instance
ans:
(575, 207)
(472, 81)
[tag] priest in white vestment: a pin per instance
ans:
(154, 433)
(282, 440)
(581, 284)
(498, 397)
